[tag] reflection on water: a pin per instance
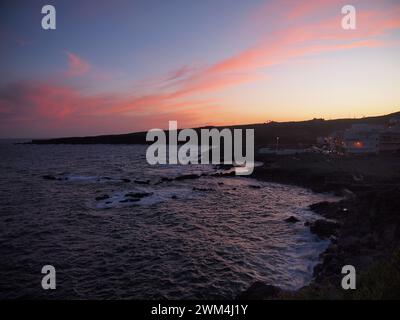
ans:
(113, 228)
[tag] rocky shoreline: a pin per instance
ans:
(364, 227)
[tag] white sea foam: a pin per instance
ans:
(122, 199)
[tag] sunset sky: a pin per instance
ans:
(130, 65)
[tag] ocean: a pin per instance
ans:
(115, 227)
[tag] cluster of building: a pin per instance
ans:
(360, 138)
(364, 139)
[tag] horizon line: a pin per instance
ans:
(207, 126)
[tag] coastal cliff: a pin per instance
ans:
(304, 133)
(366, 228)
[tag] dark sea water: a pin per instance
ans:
(202, 238)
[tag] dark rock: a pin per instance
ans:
(49, 177)
(323, 228)
(103, 197)
(326, 209)
(187, 176)
(292, 219)
(320, 207)
(259, 291)
(126, 180)
(130, 200)
(317, 269)
(224, 166)
(164, 179)
(254, 186)
(142, 181)
(221, 174)
(174, 197)
(138, 194)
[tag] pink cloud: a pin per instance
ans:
(76, 65)
(299, 40)
(173, 94)
(57, 106)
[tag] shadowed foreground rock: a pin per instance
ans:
(366, 236)
(260, 290)
(323, 228)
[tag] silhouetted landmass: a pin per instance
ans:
(289, 133)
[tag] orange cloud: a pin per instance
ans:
(173, 93)
(56, 104)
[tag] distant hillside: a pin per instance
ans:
(289, 133)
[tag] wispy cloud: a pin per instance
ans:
(300, 39)
(76, 65)
(305, 32)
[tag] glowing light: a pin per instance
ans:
(358, 144)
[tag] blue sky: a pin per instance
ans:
(123, 66)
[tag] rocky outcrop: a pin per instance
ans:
(103, 197)
(142, 181)
(363, 227)
(261, 291)
(324, 228)
(49, 177)
(187, 176)
(138, 194)
(292, 219)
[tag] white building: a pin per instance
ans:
(390, 138)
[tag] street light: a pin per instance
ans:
(277, 143)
